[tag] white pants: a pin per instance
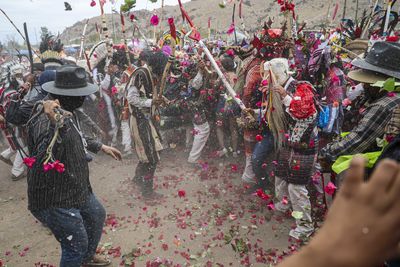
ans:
(18, 166)
(248, 174)
(200, 140)
(126, 135)
(113, 121)
(300, 202)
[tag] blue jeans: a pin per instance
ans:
(263, 152)
(78, 230)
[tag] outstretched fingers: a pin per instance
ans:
(354, 176)
(393, 191)
(385, 178)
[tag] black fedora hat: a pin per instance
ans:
(384, 58)
(70, 81)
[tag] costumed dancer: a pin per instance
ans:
(197, 108)
(227, 110)
(144, 127)
(297, 157)
(12, 81)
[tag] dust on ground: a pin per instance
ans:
(204, 219)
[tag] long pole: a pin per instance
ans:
(387, 20)
(369, 20)
(233, 22)
(356, 11)
(83, 39)
(12, 23)
(344, 9)
(28, 44)
(221, 75)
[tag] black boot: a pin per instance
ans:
(147, 187)
(138, 180)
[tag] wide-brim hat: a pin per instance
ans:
(70, 81)
(384, 57)
(366, 76)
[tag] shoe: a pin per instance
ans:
(19, 177)
(6, 161)
(152, 198)
(97, 261)
(301, 234)
(127, 152)
(252, 189)
(222, 152)
(137, 181)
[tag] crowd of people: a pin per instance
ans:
(296, 110)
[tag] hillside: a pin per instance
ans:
(315, 13)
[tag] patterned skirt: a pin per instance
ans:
(296, 166)
(146, 138)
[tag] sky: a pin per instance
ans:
(50, 13)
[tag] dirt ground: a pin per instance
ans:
(204, 219)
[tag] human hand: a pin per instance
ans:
(111, 151)
(362, 225)
(248, 111)
(159, 101)
(50, 107)
(280, 90)
(201, 65)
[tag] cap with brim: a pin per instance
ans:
(363, 64)
(365, 76)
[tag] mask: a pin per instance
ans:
(70, 103)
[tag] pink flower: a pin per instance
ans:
(391, 94)
(264, 82)
(195, 132)
(234, 167)
(154, 20)
(48, 166)
(93, 3)
(265, 197)
(389, 138)
(394, 39)
(181, 193)
(259, 138)
(230, 53)
(285, 201)
(131, 17)
(114, 90)
(261, 194)
(271, 206)
(204, 166)
(264, 165)
(231, 29)
(346, 102)
(29, 162)
(59, 167)
(330, 188)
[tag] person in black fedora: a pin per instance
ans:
(59, 192)
(381, 63)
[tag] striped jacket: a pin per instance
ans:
(363, 137)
